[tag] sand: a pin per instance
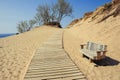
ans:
(17, 51)
(106, 32)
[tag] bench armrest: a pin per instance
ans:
(101, 52)
(82, 46)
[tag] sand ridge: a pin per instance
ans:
(17, 51)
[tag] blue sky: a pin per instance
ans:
(14, 11)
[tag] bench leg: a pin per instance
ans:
(83, 55)
(91, 60)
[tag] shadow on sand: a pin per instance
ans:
(107, 62)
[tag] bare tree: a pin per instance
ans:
(22, 26)
(63, 9)
(20, 29)
(38, 19)
(54, 13)
(43, 14)
(47, 14)
(31, 23)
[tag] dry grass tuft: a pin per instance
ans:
(109, 8)
(87, 15)
(117, 11)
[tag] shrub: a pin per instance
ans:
(54, 24)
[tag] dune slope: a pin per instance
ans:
(105, 32)
(17, 51)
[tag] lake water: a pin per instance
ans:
(6, 35)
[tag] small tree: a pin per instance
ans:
(31, 23)
(22, 26)
(43, 14)
(38, 19)
(63, 9)
(20, 29)
(54, 13)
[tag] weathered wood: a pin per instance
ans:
(94, 51)
(82, 46)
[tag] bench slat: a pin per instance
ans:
(95, 47)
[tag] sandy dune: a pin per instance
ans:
(16, 52)
(106, 32)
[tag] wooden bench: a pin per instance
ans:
(93, 51)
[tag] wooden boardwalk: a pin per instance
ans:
(50, 62)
